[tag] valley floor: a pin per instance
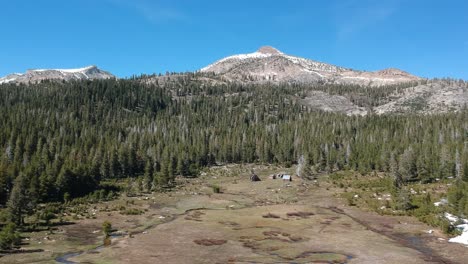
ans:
(271, 221)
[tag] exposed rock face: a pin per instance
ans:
(332, 103)
(270, 65)
(431, 98)
(33, 76)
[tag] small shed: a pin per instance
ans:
(287, 177)
(254, 178)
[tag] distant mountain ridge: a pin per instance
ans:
(268, 64)
(391, 90)
(37, 75)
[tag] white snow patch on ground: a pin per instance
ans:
(452, 218)
(463, 238)
(441, 202)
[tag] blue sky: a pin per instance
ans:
(427, 38)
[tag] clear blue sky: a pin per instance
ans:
(425, 37)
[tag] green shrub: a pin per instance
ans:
(216, 189)
(46, 216)
(447, 228)
(132, 211)
(106, 228)
(350, 200)
(9, 237)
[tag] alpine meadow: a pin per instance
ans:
(260, 157)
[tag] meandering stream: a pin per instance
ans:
(64, 259)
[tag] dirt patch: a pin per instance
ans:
(300, 214)
(270, 215)
(83, 234)
(251, 244)
(272, 233)
(296, 238)
(234, 225)
(210, 242)
(194, 216)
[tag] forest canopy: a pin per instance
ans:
(59, 140)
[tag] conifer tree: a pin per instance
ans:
(20, 202)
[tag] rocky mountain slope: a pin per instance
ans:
(440, 96)
(33, 76)
(271, 65)
(323, 101)
(431, 97)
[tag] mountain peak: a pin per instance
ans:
(268, 64)
(37, 75)
(269, 50)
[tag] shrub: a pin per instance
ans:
(106, 228)
(446, 227)
(132, 211)
(403, 201)
(216, 189)
(9, 237)
(350, 200)
(46, 216)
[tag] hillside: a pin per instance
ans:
(430, 98)
(418, 97)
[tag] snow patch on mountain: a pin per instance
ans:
(79, 70)
(254, 55)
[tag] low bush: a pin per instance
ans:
(132, 211)
(216, 189)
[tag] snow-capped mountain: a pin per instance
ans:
(270, 64)
(33, 76)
